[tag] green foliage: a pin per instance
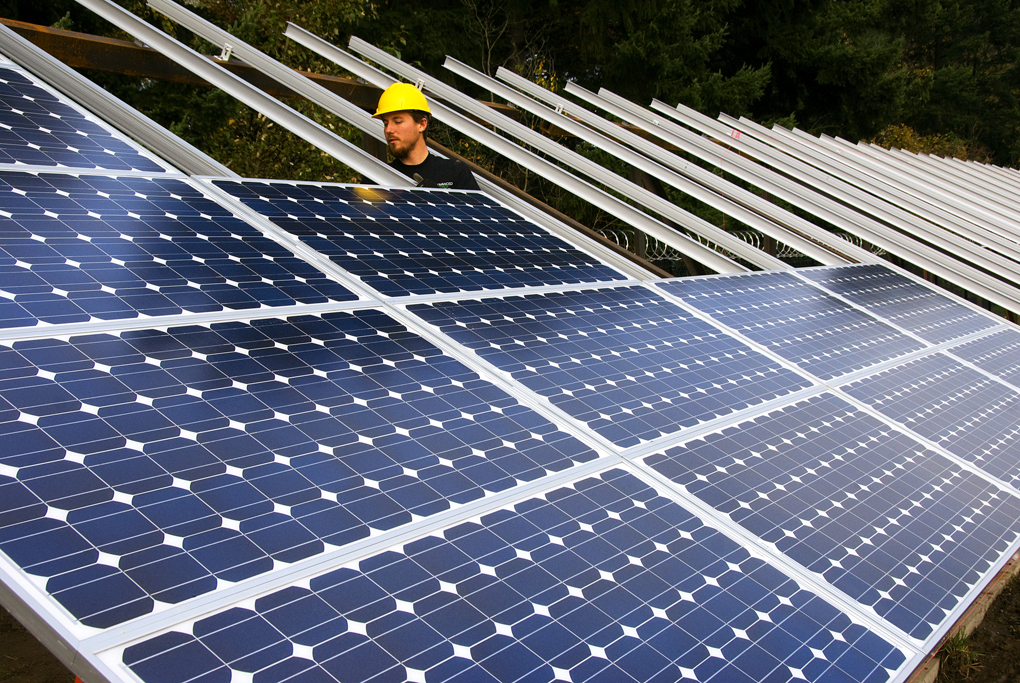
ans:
(904, 137)
(834, 64)
(671, 58)
(957, 661)
(65, 22)
(966, 57)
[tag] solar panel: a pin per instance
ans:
(818, 332)
(996, 354)
(625, 362)
(79, 248)
(893, 525)
(148, 467)
(902, 302)
(406, 241)
(604, 579)
(39, 127)
(953, 406)
(357, 495)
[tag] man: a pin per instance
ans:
(405, 115)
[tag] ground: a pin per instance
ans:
(994, 647)
(23, 659)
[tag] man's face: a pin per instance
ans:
(402, 132)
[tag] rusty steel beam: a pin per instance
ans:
(86, 51)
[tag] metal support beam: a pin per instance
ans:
(85, 51)
(656, 148)
(922, 238)
(911, 250)
(931, 199)
(907, 216)
(923, 168)
(322, 138)
(710, 152)
(642, 163)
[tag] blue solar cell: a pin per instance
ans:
(897, 527)
(953, 406)
(629, 364)
(403, 242)
(40, 128)
(795, 320)
(75, 249)
(601, 580)
(929, 314)
(996, 354)
(168, 460)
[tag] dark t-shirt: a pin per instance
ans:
(448, 174)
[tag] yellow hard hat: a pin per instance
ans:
(401, 97)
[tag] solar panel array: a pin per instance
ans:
(84, 248)
(40, 127)
(266, 430)
(400, 243)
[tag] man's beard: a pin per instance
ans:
(400, 150)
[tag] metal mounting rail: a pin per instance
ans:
(924, 188)
(566, 156)
(1007, 176)
(703, 177)
(128, 120)
(922, 168)
(965, 170)
(645, 164)
(272, 68)
(989, 188)
(905, 215)
(924, 251)
(879, 179)
(712, 153)
(927, 194)
(329, 142)
(897, 208)
(685, 245)
(782, 187)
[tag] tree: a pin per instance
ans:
(834, 65)
(963, 56)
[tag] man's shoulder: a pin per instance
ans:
(447, 173)
(442, 165)
(440, 173)
(462, 176)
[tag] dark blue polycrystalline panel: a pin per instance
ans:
(629, 364)
(406, 241)
(954, 406)
(601, 580)
(81, 248)
(895, 526)
(929, 314)
(795, 320)
(39, 128)
(997, 354)
(154, 463)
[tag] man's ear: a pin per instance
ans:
(423, 124)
